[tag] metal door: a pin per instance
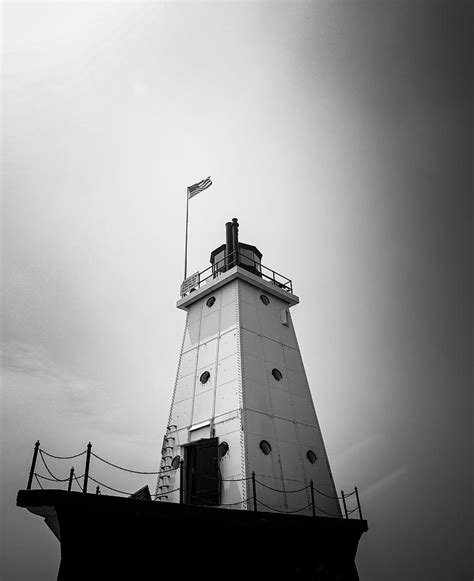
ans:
(201, 472)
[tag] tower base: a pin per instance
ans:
(106, 537)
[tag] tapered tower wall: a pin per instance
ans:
(281, 411)
(239, 340)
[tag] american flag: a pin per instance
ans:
(199, 187)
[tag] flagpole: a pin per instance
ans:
(186, 238)
(190, 192)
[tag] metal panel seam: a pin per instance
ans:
(216, 364)
(243, 420)
(290, 391)
(188, 439)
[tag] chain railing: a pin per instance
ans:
(72, 478)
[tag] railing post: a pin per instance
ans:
(344, 503)
(358, 502)
(33, 464)
(312, 498)
(86, 472)
(181, 483)
(254, 488)
(97, 490)
(71, 476)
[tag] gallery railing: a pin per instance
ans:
(196, 280)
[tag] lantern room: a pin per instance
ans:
(234, 253)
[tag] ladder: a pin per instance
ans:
(167, 454)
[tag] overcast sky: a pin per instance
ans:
(340, 135)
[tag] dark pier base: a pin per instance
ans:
(107, 537)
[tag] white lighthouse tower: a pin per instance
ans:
(242, 425)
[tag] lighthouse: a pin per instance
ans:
(242, 422)
(243, 463)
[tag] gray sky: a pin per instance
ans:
(339, 133)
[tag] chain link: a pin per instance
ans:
(284, 511)
(122, 468)
(49, 471)
(63, 457)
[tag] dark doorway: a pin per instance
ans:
(201, 472)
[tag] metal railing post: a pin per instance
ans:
(71, 476)
(254, 488)
(312, 498)
(97, 490)
(86, 472)
(344, 503)
(33, 464)
(313, 505)
(181, 483)
(358, 502)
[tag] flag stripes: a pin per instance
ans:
(199, 187)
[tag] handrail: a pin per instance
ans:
(236, 258)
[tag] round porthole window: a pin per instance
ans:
(265, 447)
(210, 301)
(175, 463)
(223, 449)
(265, 300)
(205, 377)
(311, 456)
(277, 374)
